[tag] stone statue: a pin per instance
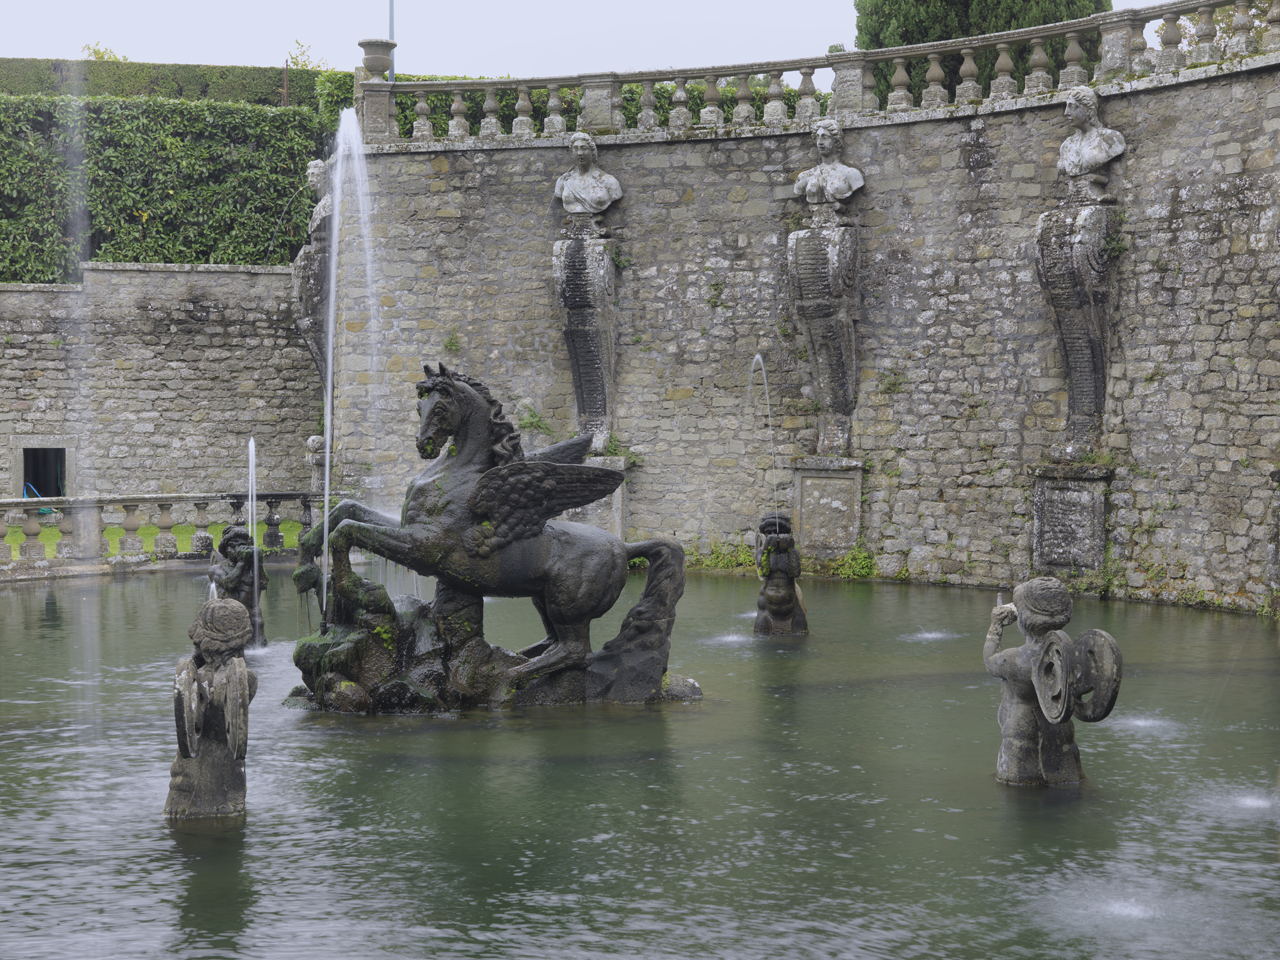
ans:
(1092, 145)
(311, 268)
(586, 188)
(781, 605)
(478, 518)
(1045, 682)
(831, 181)
(231, 572)
(318, 179)
(211, 694)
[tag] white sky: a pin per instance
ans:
(485, 38)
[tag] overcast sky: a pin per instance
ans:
(486, 38)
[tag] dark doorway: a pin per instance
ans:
(44, 472)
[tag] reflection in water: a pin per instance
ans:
(833, 795)
(217, 891)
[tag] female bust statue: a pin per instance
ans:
(586, 188)
(1092, 145)
(830, 181)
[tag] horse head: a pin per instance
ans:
(441, 408)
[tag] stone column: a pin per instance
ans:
(1114, 49)
(379, 104)
(583, 271)
(847, 92)
(822, 269)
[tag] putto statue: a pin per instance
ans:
(231, 570)
(1092, 145)
(780, 606)
(211, 694)
(831, 181)
(479, 519)
(1047, 681)
(586, 188)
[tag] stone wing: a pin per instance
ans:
(515, 501)
(566, 451)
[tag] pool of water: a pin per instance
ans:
(832, 796)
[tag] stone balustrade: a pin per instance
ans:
(81, 523)
(1123, 49)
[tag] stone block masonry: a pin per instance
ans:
(961, 387)
(153, 378)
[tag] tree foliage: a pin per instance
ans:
(894, 23)
(150, 181)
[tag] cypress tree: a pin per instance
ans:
(893, 23)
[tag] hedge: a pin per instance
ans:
(154, 181)
(174, 81)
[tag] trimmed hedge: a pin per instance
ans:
(173, 81)
(159, 181)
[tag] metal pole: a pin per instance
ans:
(391, 35)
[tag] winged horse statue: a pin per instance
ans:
(479, 518)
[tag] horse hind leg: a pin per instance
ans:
(546, 643)
(571, 648)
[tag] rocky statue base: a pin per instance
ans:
(403, 655)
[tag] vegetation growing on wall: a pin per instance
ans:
(151, 181)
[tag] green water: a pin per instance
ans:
(832, 796)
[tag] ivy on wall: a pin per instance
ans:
(151, 181)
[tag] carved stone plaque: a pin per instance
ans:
(1070, 524)
(828, 505)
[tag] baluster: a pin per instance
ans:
(648, 119)
(522, 125)
(1141, 60)
(201, 542)
(489, 127)
(554, 124)
(1242, 43)
(775, 108)
(458, 126)
(968, 88)
(1205, 49)
(306, 500)
(1170, 59)
(1038, 80)
(166, 543)
(6, 553)
(237, 511)
(1074, 74)
(67, 527)
(273, 537)
(935, 96)
(679, 118)
(422, 126)
(807, 107)
(712, 114)
(131, 543)
(1003, 87)
(1271, 39)
(900, 99)
(31, 548)
(744, 113)
(870, 102)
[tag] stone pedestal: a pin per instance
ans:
(822, 270)
(583, 269)
(611, 512)
(828, 503)
(1069, 505)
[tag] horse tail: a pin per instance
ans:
(631, 667)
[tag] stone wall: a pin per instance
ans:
(154, 377)
(962, 384)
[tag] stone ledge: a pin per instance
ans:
(835, 464)
(1070, 471)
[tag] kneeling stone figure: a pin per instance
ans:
(211, 694)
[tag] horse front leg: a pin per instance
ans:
(307, 575)
(399, 545)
